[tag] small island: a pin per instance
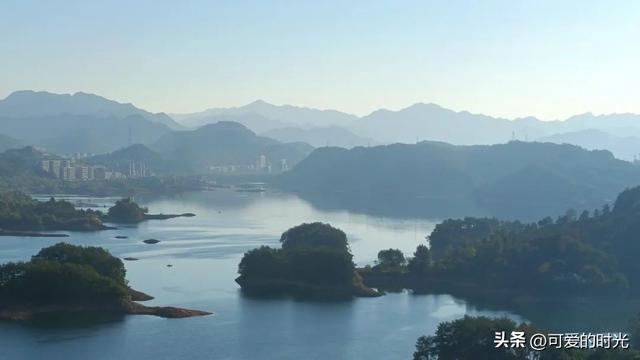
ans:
(126, 211)
(66, 278)
(314, 261)
(20, 215)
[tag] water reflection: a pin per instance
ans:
(205, 251)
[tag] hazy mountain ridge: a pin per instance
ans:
(28, 103)
(65, 134)
(320, 136)
(623, 147)
(439, 180)
(419, 122)
(225, 143)
(287, 114)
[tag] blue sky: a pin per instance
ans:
(550, 59)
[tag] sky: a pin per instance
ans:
(549, 59)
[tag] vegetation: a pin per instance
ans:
(473, 338)
(20, 212)
(589, 254)
(432, 179)
(314, 260)
(64, 274)
(126, 211)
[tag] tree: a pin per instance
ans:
(97, 258)
(466, 338)
(263, 263)
(126, 211)
(314, 235)
(421, 260)
(391, 258)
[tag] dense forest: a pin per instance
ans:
(586, 253)
(314, 260)
(64, 274)
(19, 211)
(517, 180)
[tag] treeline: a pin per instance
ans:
(587, 253)
(64, 274)
(314, 260)
(474, 338)
(19, 211)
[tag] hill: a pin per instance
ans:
(27, 103)
(623, 147)
(138, 153)
(517, 180)
(21, 162)
(320, 136)
(225, 143)
(287, 114)
(79, 123)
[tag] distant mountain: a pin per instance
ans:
(432, 122)
(320, 136)
(7, 142)
(120, 159)
(616, 124)
(78, 123)
(27, 104)
(66, 134)
(515, 180)
(623, 147)
(256, 123)
(286, 114)
(225, 143)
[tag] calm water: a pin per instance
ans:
(205, 250)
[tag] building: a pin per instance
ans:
(69, 173)
(262, 162)
(99, 172)
(56, 165)
(46, 165)
(82, 173)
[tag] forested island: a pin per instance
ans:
(314, 261)
(70, 279)
(21, 215)
(587, 254)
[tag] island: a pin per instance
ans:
(126, 211)
(314, 262)
(20, 215)
(65, 278)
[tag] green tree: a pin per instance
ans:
(314, 235)
(126, 211)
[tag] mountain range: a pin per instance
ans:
(517, 180)
(194, 151)
(423, 122)
(78, 123)
(87, 123)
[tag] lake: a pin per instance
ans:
(204, 252)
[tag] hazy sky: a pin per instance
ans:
(509, 58)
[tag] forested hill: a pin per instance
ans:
(517, 180)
